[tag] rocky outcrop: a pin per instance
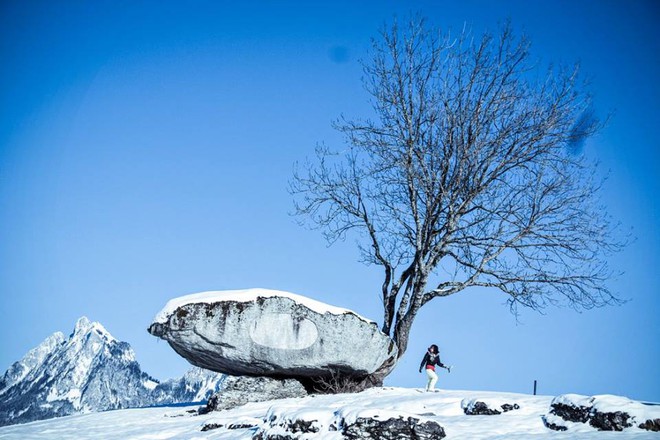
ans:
(275, 334)
(393, 429)
(486, 407)
(604, 413)
(571, 410)
(282, 424)
(651, 425)
(237, 391)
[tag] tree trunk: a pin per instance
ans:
(401, 335)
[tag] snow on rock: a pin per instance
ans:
(245, 295)
(364, 423)
(487, 406)
(282, 421)
(259, 332)
(290, 420)
(393, 428)
(603, 412)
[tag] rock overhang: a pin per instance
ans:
(258, 332)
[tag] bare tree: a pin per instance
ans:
(465, 166)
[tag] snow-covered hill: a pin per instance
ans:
(89, 371)
(328, 417)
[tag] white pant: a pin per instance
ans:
(433, 378)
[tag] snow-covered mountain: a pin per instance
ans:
(89, 371)
(196, 385)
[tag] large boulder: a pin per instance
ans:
(259, 332)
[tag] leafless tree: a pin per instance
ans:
(465, 168)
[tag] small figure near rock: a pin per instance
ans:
(431, 359)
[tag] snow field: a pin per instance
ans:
(444, 407)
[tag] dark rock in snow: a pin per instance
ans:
(604, 413)
(554, 426)
(393, 429)
(610, 421)
(260, 332)
(241, 426)
(211, 426)
(571, 413)
(480, 409)
(237, 391)
(568, 408)
(651, 425)
(508, 407)
(263, 436)
(295, 426)
(429, 430)
(285, 428)
(474, 407)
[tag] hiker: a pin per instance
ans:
(431, 359)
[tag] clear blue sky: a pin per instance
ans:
(145, 149)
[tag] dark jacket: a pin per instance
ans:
(431, 360)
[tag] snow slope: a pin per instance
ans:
(444, 407)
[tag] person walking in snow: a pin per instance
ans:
(431, 359)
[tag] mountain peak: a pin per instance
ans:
(84, 326)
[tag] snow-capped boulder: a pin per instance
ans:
(604, 413)
(259, 332)
(570, 408)
(487, 407)
(237, 391)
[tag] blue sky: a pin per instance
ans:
(145, 150)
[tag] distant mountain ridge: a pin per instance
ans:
(90, 371)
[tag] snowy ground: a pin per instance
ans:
(444, 407)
